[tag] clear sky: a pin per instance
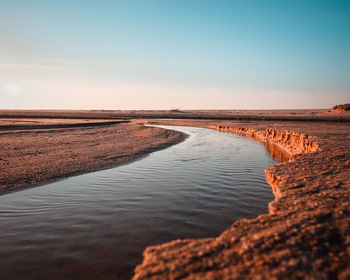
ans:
(166, 54)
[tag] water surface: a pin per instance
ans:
(96, 225)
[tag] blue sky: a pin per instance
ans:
(174, 54)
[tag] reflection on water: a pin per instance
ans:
(95, 226)
(276, 152)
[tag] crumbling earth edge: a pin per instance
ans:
(306, 233)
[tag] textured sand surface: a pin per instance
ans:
(305, 235)
(35, 152)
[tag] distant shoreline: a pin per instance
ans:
(273, 115)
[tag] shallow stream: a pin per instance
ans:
(96, 225)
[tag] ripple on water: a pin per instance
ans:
(96, 225)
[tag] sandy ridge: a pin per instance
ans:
(35, 154)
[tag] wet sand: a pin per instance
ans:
(34, 152)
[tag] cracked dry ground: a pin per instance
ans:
(305, 235)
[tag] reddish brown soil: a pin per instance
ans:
(305, 235)
(34, 152)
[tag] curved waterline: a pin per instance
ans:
(97, 224)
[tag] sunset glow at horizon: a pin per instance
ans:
(174, 54)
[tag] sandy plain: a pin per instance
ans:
(273, 115)
(305, 234)
(38, 151)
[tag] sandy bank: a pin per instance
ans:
(36, 151)
(306, 233)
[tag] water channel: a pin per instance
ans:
(96, 225)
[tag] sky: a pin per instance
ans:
(167, 54)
